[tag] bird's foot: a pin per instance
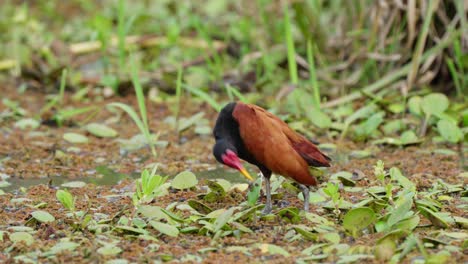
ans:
(305, 193)
(266, 210)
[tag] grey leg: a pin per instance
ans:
(305, 193)
(268, 205)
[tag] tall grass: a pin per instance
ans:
(121, 32)
(178, 98)
(141, 120)
(204, 96)
(312, 74)
(292, 65)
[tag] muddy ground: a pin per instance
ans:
(30, 155)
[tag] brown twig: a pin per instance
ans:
(145, 41)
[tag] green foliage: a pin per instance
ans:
(254, 192)
(357, 219)
(149, 186)
(205, 97)
(184, 180)
(434, 104)
(379, 171)
(43, 216)
(66, 199)
(449, 131)
(332, 190)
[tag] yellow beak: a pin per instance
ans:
(246, 174)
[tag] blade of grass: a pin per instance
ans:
(137, 120)
(63, 82)
(59, 98)
(141, 105)
(415, 62)
(290, 46)
(313, 74)
(121, 32)
(204, 96)
(454, 74)
(237, 93)
(292, 65)
(139, 93)
(229, 91)
(178, 97)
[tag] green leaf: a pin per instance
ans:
(223, 219)
(414, 105)
(449, 131)
(404, 204)
(254, 192)
(305, 232)
(273, 249)
(166, 229)
(185, 123)
(203, 130)
(361, 113)
(357, 219)
(290, 215)
(409, 137)
(199, 207)
(396, 174)
(63, 246)
(356, 258)
(223, 183)
(109, 250)
(437, 219)
(17, 237)
(333, 237)
(318, 117)
(100, 130)
(184, 180)
(393, 126)
(75, 138)
(385, 249)
(66, 199)
(26, 123)
(43, 216)
(408, 224)
(369, 126)
(434, 103)
(140, 123)
(131, 229)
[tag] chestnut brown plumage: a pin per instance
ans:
(255, 135)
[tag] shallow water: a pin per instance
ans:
(107, 176)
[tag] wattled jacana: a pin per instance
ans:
(249, 132)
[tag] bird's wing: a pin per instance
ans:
(306, 149)
(264, 137)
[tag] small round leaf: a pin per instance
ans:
(358, 218)
(434, 104)
(100, 130)
(184, 180)
(75, 138)
(43, 216)
(22, 237)
(449, 131)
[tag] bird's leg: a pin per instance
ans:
(305, 193)
(268, 205)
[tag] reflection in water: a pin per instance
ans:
(107, 176)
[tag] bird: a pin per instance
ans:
(249, 132)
